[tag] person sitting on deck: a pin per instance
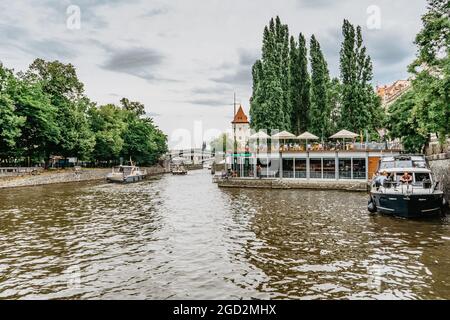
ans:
(406, 178)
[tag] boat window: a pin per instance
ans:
(403, 164)
(359, 168)
(419, 164)
(419, 177)
(399, 175)
(387, 165)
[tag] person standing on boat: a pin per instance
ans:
(380, 179)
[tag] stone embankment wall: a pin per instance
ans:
(64, 176)
(360, 186)
(440, 165)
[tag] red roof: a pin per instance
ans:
(240, 117)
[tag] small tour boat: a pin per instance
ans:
(126, 174)
(179, 170)
(406, 188)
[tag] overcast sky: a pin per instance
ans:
(184, 58)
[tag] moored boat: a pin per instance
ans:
(406, 188)
(126, 174)
(179, 170)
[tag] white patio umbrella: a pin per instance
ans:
(344, 134)
(284, 135)
(261, 135)
(307, 136)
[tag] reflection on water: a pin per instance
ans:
(182, 237)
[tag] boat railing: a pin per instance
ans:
(405, 188)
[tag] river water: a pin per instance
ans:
(181, 237)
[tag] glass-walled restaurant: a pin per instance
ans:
(312, 165)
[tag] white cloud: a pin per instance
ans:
(196, 54)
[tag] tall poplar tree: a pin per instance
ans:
(319, 113)
(299, 82)
(270, 103)
(360, 105)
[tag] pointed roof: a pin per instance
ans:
(240, 117)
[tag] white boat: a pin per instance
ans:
(179, 170)
(126, 174)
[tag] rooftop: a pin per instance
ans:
(240, 117)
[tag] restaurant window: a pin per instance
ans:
(236, 166)
(359, 168)
(274, 168)
(288, 168)
(329, 169)
(300, 168)
(345, 168)
(264, 163)
(315, 168)
(247, 168)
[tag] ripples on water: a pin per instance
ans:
(182, 237)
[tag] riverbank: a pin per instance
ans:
(440, 165)
(344, 185)
(64, 176)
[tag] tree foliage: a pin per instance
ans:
(320, 111)
(45, 112)
(425, 109)
(404, 124)
(303, 101)
(300, 84)
(360, 108)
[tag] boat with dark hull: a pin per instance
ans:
(419, 196)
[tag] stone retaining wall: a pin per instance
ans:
(360, 186)
(65, 176)
(440, 165)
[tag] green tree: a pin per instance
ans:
(360, 106)
(299, 83)
(256, 114)
(431, 71)
(41, 130)
(403, 123)
(10, 122)
(108, 124)
(133, 106)
(270, 103)
(143, 142)
(319, 113)
(66, 92)
(334, 102)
